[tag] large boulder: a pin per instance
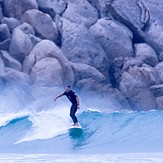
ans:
(11, 23)
(47, 72)
(100, 6)
(16, 87)
(133, 11)
(159, 101)
(145, 53)
(156, 22)
(136, 15)
(86, 50)
(115, 38)
(5, 44)
(4, 32)
(131, 62)
(46, 49)
(115, 71)
(1, 13)
(81, 12)
(52, 7)
(28, 63)
(83, 71)
(157, 90)
(12, 75)
(10, 61)
(42, 23)
(2, 67)
(26, 28)
(159, 69)
(102, 95)
(135, 89)
(16, 8)
(5, 37)
(20, 46)
(150, 75)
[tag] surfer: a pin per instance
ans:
(75, 103)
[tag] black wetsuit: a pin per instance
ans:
(72, 97)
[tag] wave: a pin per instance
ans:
(5, 119)
(47, 132)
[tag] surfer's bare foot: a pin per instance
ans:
(75, 124)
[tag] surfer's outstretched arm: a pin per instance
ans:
(58, 97)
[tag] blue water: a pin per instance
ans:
(103, 133)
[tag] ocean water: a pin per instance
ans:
(106, 137)
(38, 132)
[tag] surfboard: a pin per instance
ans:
(75, 127)
(75, 131)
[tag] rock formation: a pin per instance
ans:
(110, 51)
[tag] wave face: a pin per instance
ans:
(47, 132)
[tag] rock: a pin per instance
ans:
(111, 35)
(83, 71)
(5, 44)
(133, 11)
(100, 6)
(11, 23)
(161, 57)
(157, 90)
(86, 49)
(52, 7)
(42, 23)
(9, 61)
(14, 8)
(28, 63)
(81, 12)
(139, 31)
(46, 49)
(1, 14)
(12, 75)
(159, 69)
(26, 28)
(131, 62)
(150, 75)
(156, 23)
(135, 89)
(35, 40)
(146, 54)
(159, 101)
(2, 67)
(47, 72)
(101, 95)
(20, 46)
(115, 71)
(4, 32)
(16, 87)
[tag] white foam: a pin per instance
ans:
(48, 124)
(7, 117)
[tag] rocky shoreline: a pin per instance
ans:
(110, 51)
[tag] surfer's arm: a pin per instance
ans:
(58, 96)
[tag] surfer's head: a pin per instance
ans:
(68, 88)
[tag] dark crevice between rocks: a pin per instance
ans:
(139, 36)
(64, 10)
(96, 5)
(48, 11)
(59, 40)
(2, 7)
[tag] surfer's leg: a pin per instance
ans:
(72, 113)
